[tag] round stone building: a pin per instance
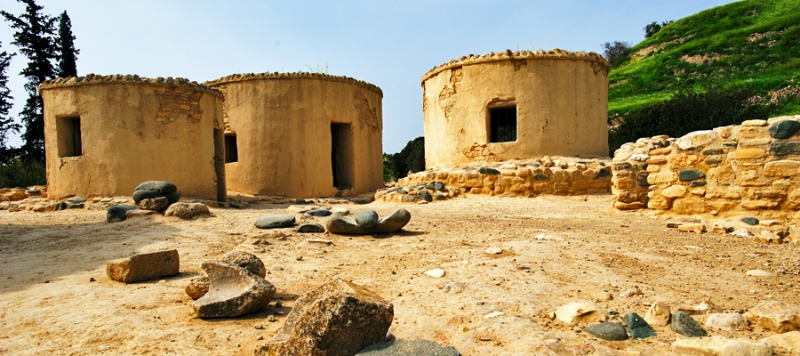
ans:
(106, 134)
(301, 134)
(516, 105)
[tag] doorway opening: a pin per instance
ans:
(69, 137)
(342, 159)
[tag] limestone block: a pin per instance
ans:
(757, 123)
(782, 168)
(626, 197)
(144, 266)
(337, 319)
(660, 151)
(186, 210)
(653, 168)
(721, 206)
(726, 321)
(793, 201)
(574, 313)
(658, 314)
(754, 142)
(658, 204)
(776, 316)
(747, 153)
(675, 191)
(689, 205)
(721, 346)
(695, 139)
(751, 131)
(758, 204)
(662, 177)
(629, 206)
(660, 160)
(233, 291)
(784, 344)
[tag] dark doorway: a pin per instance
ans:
(503, 124)
(69, 137)
(231, 151)
(342, 155)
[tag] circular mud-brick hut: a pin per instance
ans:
(301, 134)
(106, 134)
(516, 105)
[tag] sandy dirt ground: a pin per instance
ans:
(55, 297)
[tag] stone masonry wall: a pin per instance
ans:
(517, 178)
(752, 168)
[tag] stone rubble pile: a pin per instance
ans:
(417, 193)
(565, 176)
(750, 169)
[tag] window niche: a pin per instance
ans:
(503, 122)
(69, 137)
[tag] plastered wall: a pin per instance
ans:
(132, 129)
(282, 124)
(560, 98)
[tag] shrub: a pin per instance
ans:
(410, 159)
(22, 173)
(616, 52)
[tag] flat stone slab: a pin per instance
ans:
(718, 345)
(145, 266)
(579, 312)
(726, 321)
(233, 291)
(119, 213)
(161, 186)
(311, 228)
(607, 331)
(339, 318)
(784, 344)
(394, 222)
(157, 203)
(408, 347)
(775, 315)
(318, 212)
(187, 211)
(685, 325)
(275, 221)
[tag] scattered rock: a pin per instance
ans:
(638, 328)
(768, 237)
(233, 291)
(776, 316)
(187, 210)
(726, 321)
(340, 211)
(705, 307)
(155, 204)
(574, 313)
(607, 331)
(750, 221)
(137, 213)
(339, 318)
(367, 219)
(274, 221)
(759, 273)
(548, 237)
(318, 212)
(493, 251)
(696, 228)
(310, 228)
(784, 344)
(632, 292)
(454, 288)
(118, 213)
(320, 241)
(684, 324)
(718, 345)
(408, 347)
(301, 209)
(197, 287)
(658, 314)
(394, 222)
(144, 266)
(741, 233)
(435, 273)
(247, 261)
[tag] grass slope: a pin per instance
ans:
(754, 42)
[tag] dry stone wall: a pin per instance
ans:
(515, 178)
(752, 169)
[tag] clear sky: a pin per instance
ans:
(387, 43)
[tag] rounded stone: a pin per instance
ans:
(119, 213)
(367, 219)
(319, 212)
(784, 129)
(274, 221)
(247, 261)
(690, 175)
(310, 228)
(163, 187)
(197, 287)
(607, 331)
(750, 221)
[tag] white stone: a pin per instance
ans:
(718, 345)
(695, 139)
(768, 222)
(675, 191)
(493, 314)
(579, 312)
(493, 251)
(784, 344)
(548, 237)
(639, 157)
(435, 273)
(741, 233)
(658, 314)
(726, 321)
(760, 273)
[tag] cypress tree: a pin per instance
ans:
(7, 123)
(35, 37)
(66, 44)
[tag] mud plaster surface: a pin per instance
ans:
(49, 306)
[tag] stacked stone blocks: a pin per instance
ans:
(753, 167)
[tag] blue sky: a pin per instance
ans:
(389, 44)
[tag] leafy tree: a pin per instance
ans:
(35, 37)
(7, 123)
(67, 55)
(616, 52)
(653, 28)
(410, 159)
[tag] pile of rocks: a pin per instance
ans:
(565, 176)
(742, 169)
(366, 222)
(153, 197)
(420, 193)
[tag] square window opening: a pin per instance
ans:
(69, 137)
(503, 124)
(231, 151)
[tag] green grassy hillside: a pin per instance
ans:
(754, 43)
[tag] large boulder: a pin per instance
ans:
(233, 291)
(154, 189)
(337, 319)
(393, 222)
(776, 316)
(408, 347)
(144, 266)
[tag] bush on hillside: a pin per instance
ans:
(616, 52)
(689, 111)
(410, 159)
(22, 173)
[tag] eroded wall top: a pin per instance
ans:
(93, 79)
(276, 75)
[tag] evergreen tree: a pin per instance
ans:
(35, 37)
(66, 44)
(7, 123)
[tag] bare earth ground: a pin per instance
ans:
(49, 306)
